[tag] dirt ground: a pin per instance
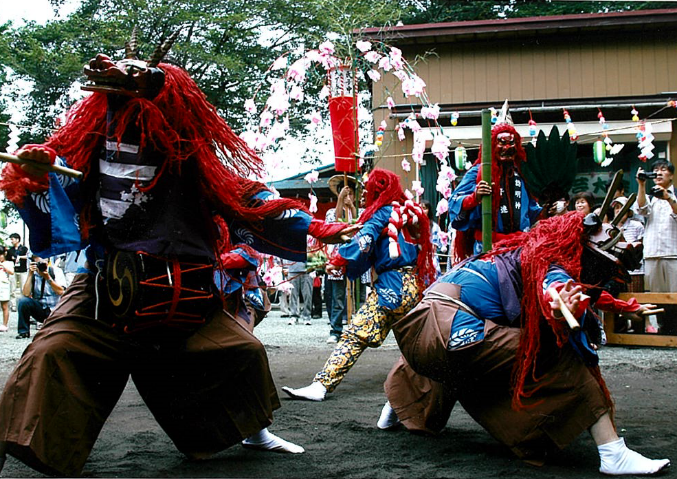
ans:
(341, 438)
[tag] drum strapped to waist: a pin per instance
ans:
(144, 291)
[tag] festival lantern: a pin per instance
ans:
(460, 157)
(343, 115)
(599, 152)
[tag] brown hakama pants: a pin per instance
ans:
(207, 392)
(426, 382)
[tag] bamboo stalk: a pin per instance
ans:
(486, 176)
(42, 166)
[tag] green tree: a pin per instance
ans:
(437, 11)
(226, 46)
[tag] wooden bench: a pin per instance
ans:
(614, 324)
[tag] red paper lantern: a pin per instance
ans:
(343, 115)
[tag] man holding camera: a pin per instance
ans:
(42, 290)
(660, 232)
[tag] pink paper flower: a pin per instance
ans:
(296, 93)
(266, 119)
(413, 85)
(417, 188)
(315, 118)
(384, 64)
(440, 146)
(297, 72)
(390, 102)
(406, 166)
(431, 112)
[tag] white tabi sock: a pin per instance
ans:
(315, 392)
(617, 459)
(267, 441)
(388, 418)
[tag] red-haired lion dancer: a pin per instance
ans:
(489, 335)
(395, 241)
(164, 194)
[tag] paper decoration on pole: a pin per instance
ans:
(343, 115)
(645, 138)
(634, 114)
(13, 143)
(454, 118)
(573, 134)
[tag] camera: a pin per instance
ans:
(658, 192)
(42, 267)
(647, 175)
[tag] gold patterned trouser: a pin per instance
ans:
(369, 327)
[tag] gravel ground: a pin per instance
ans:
(340, 436)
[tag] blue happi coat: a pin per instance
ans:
(369, 247)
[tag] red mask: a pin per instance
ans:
(505, 147)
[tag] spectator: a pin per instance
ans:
(6, 273)
(660, 231)
(18, 254)
(42, 290)
(302, 288)
(335, 284)
(584, 202)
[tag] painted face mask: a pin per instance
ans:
(505, 146)
(129, 76)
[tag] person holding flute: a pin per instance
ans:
(509, 334)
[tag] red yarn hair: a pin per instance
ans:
(382, 189)
(554, 241)
(183, 125)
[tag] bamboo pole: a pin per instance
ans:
(486, 176)
(42, 166)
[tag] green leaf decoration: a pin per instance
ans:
(551, 164)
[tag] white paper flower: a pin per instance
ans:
(374, 75)
(442, 207)
(417, 188)
(312, 177)
(406, 166)
(280, 63)
(326, 48)
(250, 106)
(440, 146)
(266, 119)
(431, 112)
(297, 71)
(363, 46)
(390, 102)
(384, 64)
(372, 56)
(313, 203)
(296, 93)
(315, 117)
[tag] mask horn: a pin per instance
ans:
(132, 47)
(162, 50)
(625, 209)
(618, 178)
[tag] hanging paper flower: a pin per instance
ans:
(326, 48)
(532, 127)
(266, 119)
(297, 72)
(408, 194)
(374, 75)
(313, 203)
(417, 188)
(413, 85)
(440, 146)
(279, 63)
(494, 115)
(384, 64)
(315, 118)
(400, 132)
(406, 166)
(363, 46)
(442, 207)
(312, 177)
(250, 106)
(379, 135)
(372, 56)
(634, 114)
(390, 102)
(430, 112)
(296, 93)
